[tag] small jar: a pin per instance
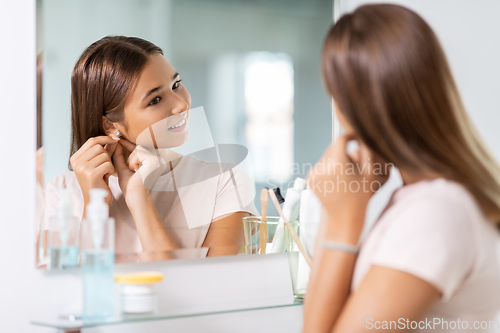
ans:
(138, 293)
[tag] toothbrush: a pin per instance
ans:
(290, 229)
(264, 198)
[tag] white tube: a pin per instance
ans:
(310, 218)
(290, 211)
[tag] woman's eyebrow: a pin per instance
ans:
(152, 91)
(158, 88)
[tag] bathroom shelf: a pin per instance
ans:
(190, 288)
(74, 323)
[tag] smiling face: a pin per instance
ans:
(157, 110)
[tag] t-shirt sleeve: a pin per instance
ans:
(235, 193)
(432, 240)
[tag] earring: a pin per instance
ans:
(117, 132)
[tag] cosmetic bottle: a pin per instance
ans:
(290, 211)
(310, 218)
(63, 238)
(43, 228)
(98, 259)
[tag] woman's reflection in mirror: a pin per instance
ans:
(125, 85)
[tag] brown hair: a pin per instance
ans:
(386, 70)
(101, 81)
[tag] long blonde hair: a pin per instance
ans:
(387, 72)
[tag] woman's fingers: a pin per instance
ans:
(98, 140)
(133, 161)
(110, 148)
(355, 156)
(118, 157)
(340, 149)
(88, 155)
(120, 165)
(140, 159)
(366, 155)
(127, 144)
(100, 167)
(106, 169)
(98, 160)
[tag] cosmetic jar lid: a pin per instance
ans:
(138, 277)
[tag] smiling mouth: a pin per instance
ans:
(179, 124)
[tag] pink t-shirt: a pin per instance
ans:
(436, 231)
(187, 199)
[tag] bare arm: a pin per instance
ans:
(384, 295)
(330, 281)
(328, 289)
(155, 239)
(225, 236)
(152, 234)
(387, 295)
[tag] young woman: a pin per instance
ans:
(431, 261)
(122, 88)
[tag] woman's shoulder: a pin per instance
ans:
(235, 187)
(440, 195)
(437, 210)
(209, 169)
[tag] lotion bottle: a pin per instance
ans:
(63, 249)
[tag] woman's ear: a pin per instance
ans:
(109, 128)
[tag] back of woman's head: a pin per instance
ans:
(386, 71)
(102, 79)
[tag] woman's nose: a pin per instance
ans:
(178, 104)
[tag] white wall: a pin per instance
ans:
(470, 34)
(17, 134)
(23, 291)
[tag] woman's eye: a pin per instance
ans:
(155, 101)
(176, 84)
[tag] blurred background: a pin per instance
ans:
(253, 65)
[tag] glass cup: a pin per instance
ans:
(299, 268)
(259, 236)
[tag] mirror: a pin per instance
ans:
(257, 116)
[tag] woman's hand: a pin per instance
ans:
(142, 172)
(136, 181)
(92, 165)
(344, 183)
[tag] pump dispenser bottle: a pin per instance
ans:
(63, 249)
(98, 259)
